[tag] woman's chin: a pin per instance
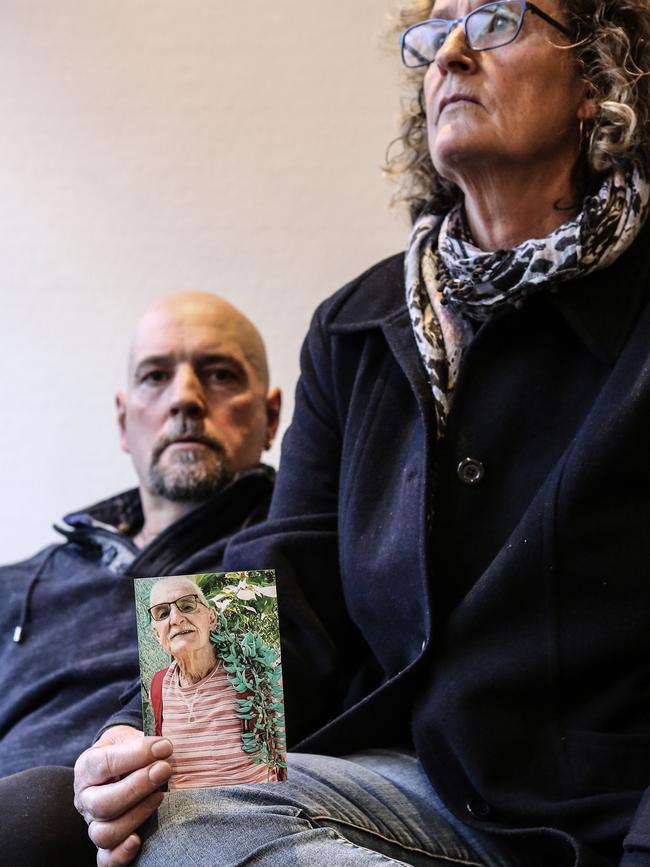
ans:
(455, 152)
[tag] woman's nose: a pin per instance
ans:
(455, 54)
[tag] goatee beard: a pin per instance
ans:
(193, 475)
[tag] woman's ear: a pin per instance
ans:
(589, 107)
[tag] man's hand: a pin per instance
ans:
(116, 785)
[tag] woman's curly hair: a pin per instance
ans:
(612, 48)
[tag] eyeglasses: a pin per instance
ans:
(489, 26)
(184, 604)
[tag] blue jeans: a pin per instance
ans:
(375, 808)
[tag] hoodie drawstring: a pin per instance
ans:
(27, 601)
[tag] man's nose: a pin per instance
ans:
(175, 616)
(186, 393)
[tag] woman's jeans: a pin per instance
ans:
(375, 808)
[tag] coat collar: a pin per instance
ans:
(601, 308)
(373, 300)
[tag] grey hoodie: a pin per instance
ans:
(68, 647)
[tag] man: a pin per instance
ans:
(195, 418)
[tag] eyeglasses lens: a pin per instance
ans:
(493, 25)
(421, 44)
(184, 604)
(488, 26)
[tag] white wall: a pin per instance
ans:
(152, 145)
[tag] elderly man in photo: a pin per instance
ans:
(193, 699)
(195, 417)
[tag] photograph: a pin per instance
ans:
(209, 648)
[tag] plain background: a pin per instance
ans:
(148, 146)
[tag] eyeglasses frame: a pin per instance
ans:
(524, 5)
(196, 596)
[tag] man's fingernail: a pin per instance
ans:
(162, 749)
(132, 843)
(159, 772)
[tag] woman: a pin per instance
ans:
(459, 526)
(471, 541)
(193, 700)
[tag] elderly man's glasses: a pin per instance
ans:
(489, 26)
(184, 604)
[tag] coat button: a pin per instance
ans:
(478, 808)
(470, 471)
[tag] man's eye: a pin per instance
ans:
(155, 376)
(221, 375)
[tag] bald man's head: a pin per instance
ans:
(181, 617)
(197, 408)
(174, 584)
(210, 311)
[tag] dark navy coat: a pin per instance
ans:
(487, 599)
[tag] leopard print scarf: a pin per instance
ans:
(449, 281)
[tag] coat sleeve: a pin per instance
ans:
(323, 654)
(637, 842)
(130, 713)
